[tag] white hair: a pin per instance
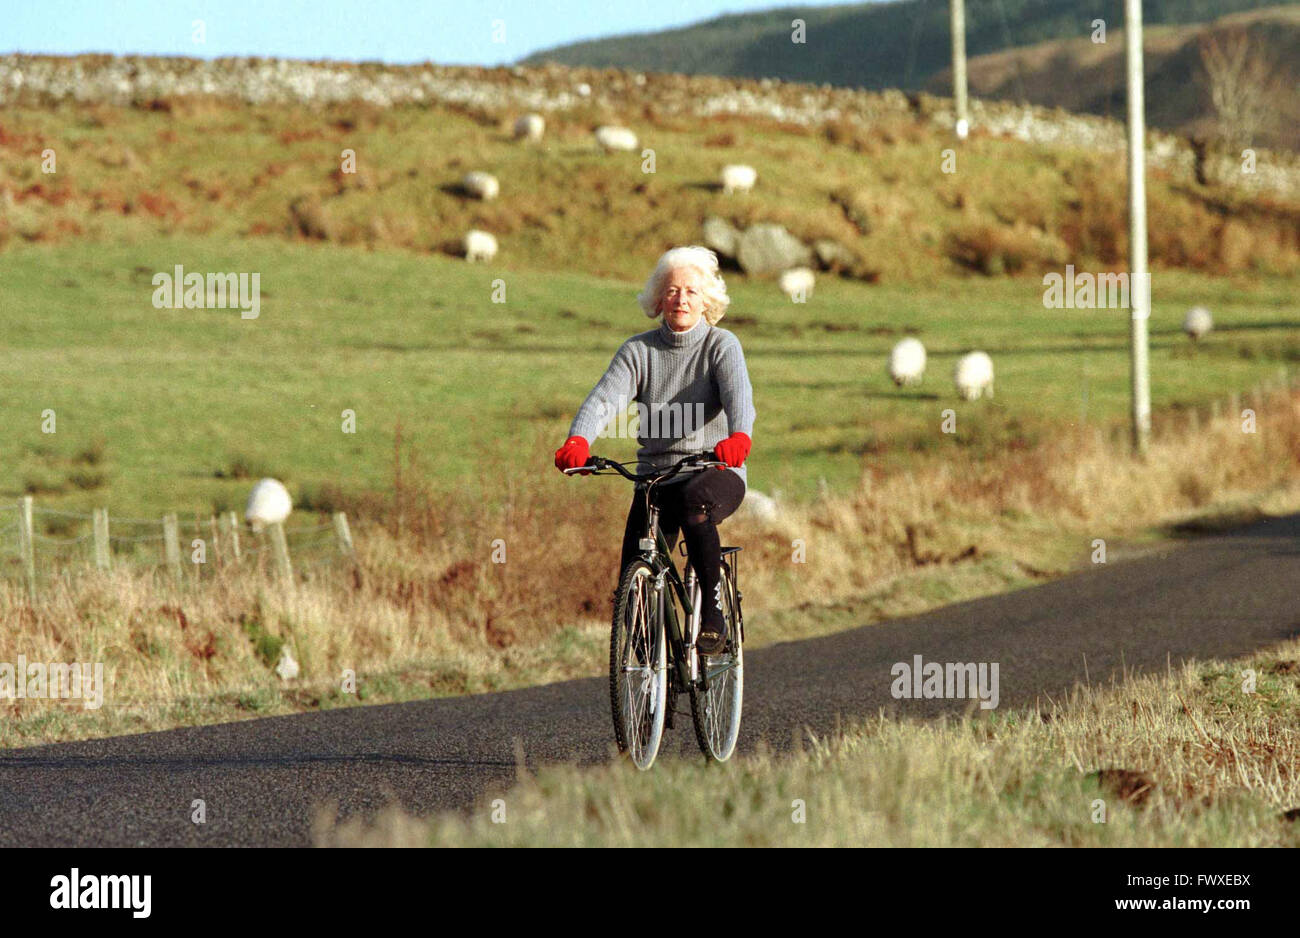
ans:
(713, 288)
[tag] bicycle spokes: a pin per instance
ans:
(716, 703)
(638, 667)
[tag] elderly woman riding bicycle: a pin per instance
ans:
(690, 364)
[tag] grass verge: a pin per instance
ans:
(1183, 759)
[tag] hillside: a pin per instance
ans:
(259, 156)
(866, 45)
(907, 45)
(1080, 75)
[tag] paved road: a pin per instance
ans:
(1222, 596)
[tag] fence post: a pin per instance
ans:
(27, 544)
(280, 547)
(172, 545)
(344, 534)
(232, 525)
(101, 539)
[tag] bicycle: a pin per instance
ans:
(651, 661)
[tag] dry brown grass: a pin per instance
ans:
(426, 595)
(1031, 206)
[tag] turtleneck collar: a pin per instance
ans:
(692, 336)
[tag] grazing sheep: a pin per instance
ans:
(907, 362)
(738, 178)
(797, 283)
(974, 376)
(615, 138)
(530, 127)
(583, 89)
(481, 185)
(760, 507)
(480, 246)
(268, 503)
(1197, 323)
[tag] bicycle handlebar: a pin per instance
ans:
(699, 461)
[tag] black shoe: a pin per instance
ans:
(713, 638)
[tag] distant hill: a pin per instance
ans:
(1079, 75)
(907, 45)
(867, 45)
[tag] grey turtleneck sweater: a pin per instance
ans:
(692, 391)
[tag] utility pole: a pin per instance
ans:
(1139, 279)
(957, 12)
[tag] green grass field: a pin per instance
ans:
(364, 309)
(178, 405)
(459, 401)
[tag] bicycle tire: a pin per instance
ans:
(716, 712)
(638, 646)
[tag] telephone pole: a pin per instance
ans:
(1140, 283)
(957, 12)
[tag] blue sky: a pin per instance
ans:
(443, 31)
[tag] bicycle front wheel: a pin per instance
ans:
(716, 711)
(638, 666)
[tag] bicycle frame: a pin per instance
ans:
(665, 570)
(655, 552)
(659, 557)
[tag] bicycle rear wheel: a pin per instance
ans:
(716, 711)
(638, 666)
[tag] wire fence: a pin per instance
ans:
(39, 543)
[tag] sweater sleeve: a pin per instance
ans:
(616, 389)
(734, 390)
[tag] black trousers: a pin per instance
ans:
(695, 507)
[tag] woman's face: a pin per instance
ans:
(682, 302)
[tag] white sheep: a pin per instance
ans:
(481, 185)
(738, 178)
(797, 283)
(615, 138)
(974, 375)
(530, 127)
(907, 362)
(1197, 323)
(268, 503)
(480, 246)
(583, 89)
(760, 507)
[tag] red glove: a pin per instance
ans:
(574, 453)
(733, 449)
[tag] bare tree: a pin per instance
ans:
(1242, 84)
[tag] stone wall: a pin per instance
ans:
(26, 79)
